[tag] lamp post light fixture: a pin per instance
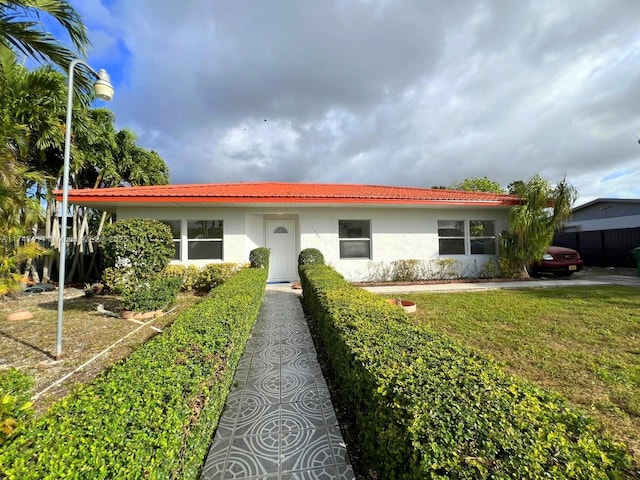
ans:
(104, 91)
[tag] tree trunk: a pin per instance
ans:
(94, 253)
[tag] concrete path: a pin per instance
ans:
(278, 423)
(533, 283)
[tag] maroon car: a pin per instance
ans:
(560, 261)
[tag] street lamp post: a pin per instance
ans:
(103, 90)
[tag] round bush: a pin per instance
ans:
(310, 256)
(259, 257)
(143, 246)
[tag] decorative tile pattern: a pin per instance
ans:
(278, 423)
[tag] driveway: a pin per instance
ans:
(542, 282)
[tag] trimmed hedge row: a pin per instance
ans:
(426, 407)
(154, 414)
(15, 404)
(202, 278)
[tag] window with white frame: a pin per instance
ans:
(457, 237)
(175, 233)
(204, 239)
(355, 238)
(482, 234)
(451, 237)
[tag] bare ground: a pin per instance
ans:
(30, 345)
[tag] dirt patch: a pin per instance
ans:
(30, 344)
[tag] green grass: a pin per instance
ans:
(583, 342)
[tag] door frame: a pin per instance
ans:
(270, 219)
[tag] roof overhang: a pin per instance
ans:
(279, 195)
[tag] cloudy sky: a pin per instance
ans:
(406, 92)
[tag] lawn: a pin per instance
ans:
(583, 342)
(30, 344)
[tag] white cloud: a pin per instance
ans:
(407, 92)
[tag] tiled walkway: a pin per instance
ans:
(279, 423)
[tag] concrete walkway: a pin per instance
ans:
(532, 283)
(278, 423)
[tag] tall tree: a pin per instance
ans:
(544, 208)
(477, 184)
(17, 176)
(21, 32)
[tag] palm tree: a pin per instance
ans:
(543, 208)
(21, 32)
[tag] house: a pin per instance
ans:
(360, 229)
(604, 231)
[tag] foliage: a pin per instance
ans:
(15, 406)
(426, 407)
(259, 257)
(119, 280)
(205, 278)
(19, 211)
(33, 105)
(532, 224)
(141, 247)
(11, 256)
(151, 295)
(310, 256)
(406, 270)
(592, 358)
(490, 269)
(22, 32)
(410, 270)
(477, 184)
(152, 415)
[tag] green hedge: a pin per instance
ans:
(426, 407)
(310, 256)
(259, 257)
(15, 405)
(202, 278)
(154, 414)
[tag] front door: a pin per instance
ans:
(281, 240)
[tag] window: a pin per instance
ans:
(451, 237)
(455, 235)
(175, 232)
(204, 239)
(483, 237)
(355, 238)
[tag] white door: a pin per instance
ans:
(281, 240)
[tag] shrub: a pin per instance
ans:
(142, 246)
(15, 406)
(259, 257)
(157, 294)
(310, 256)
(119, 280)
(205, 278)
(190, 280)
(427, 407)
(406, 270)
(214, 274)
(490, 269)
(152, 415)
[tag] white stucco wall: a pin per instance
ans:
(397, 233)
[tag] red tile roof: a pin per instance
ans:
(284, 193)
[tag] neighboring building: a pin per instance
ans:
(360, 229)
(604, 231)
